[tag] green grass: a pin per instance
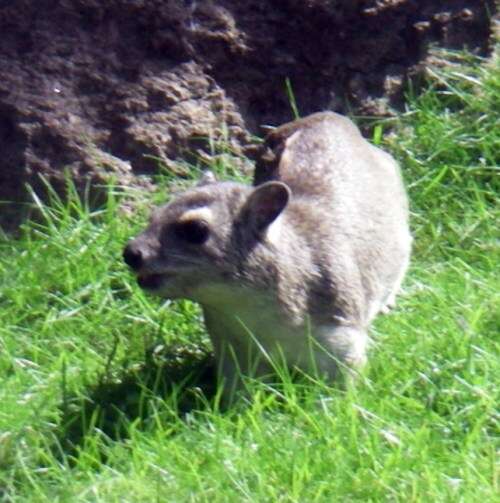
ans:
(108, 396)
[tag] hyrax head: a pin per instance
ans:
(202, 238)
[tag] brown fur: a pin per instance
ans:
(314, 251)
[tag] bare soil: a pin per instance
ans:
(110, 88)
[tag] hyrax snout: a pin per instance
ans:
(294, 268)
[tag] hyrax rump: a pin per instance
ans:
(296, 267)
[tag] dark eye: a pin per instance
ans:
(193, 231)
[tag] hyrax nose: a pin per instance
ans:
(132, 256)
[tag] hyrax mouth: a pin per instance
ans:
(150, 281)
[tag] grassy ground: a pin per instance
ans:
(107, 397)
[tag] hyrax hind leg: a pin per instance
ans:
(390, 300)
(345, 346)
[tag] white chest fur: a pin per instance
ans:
(251, 337)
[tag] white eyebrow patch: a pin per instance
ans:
(202, 213)
(273, 233)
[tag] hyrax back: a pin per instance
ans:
(294, 268)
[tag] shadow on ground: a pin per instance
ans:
(180, 380)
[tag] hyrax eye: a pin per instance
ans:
(195, 232)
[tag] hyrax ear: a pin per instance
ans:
(206, 178)
(265, 203)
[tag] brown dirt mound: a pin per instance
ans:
(113, 87)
